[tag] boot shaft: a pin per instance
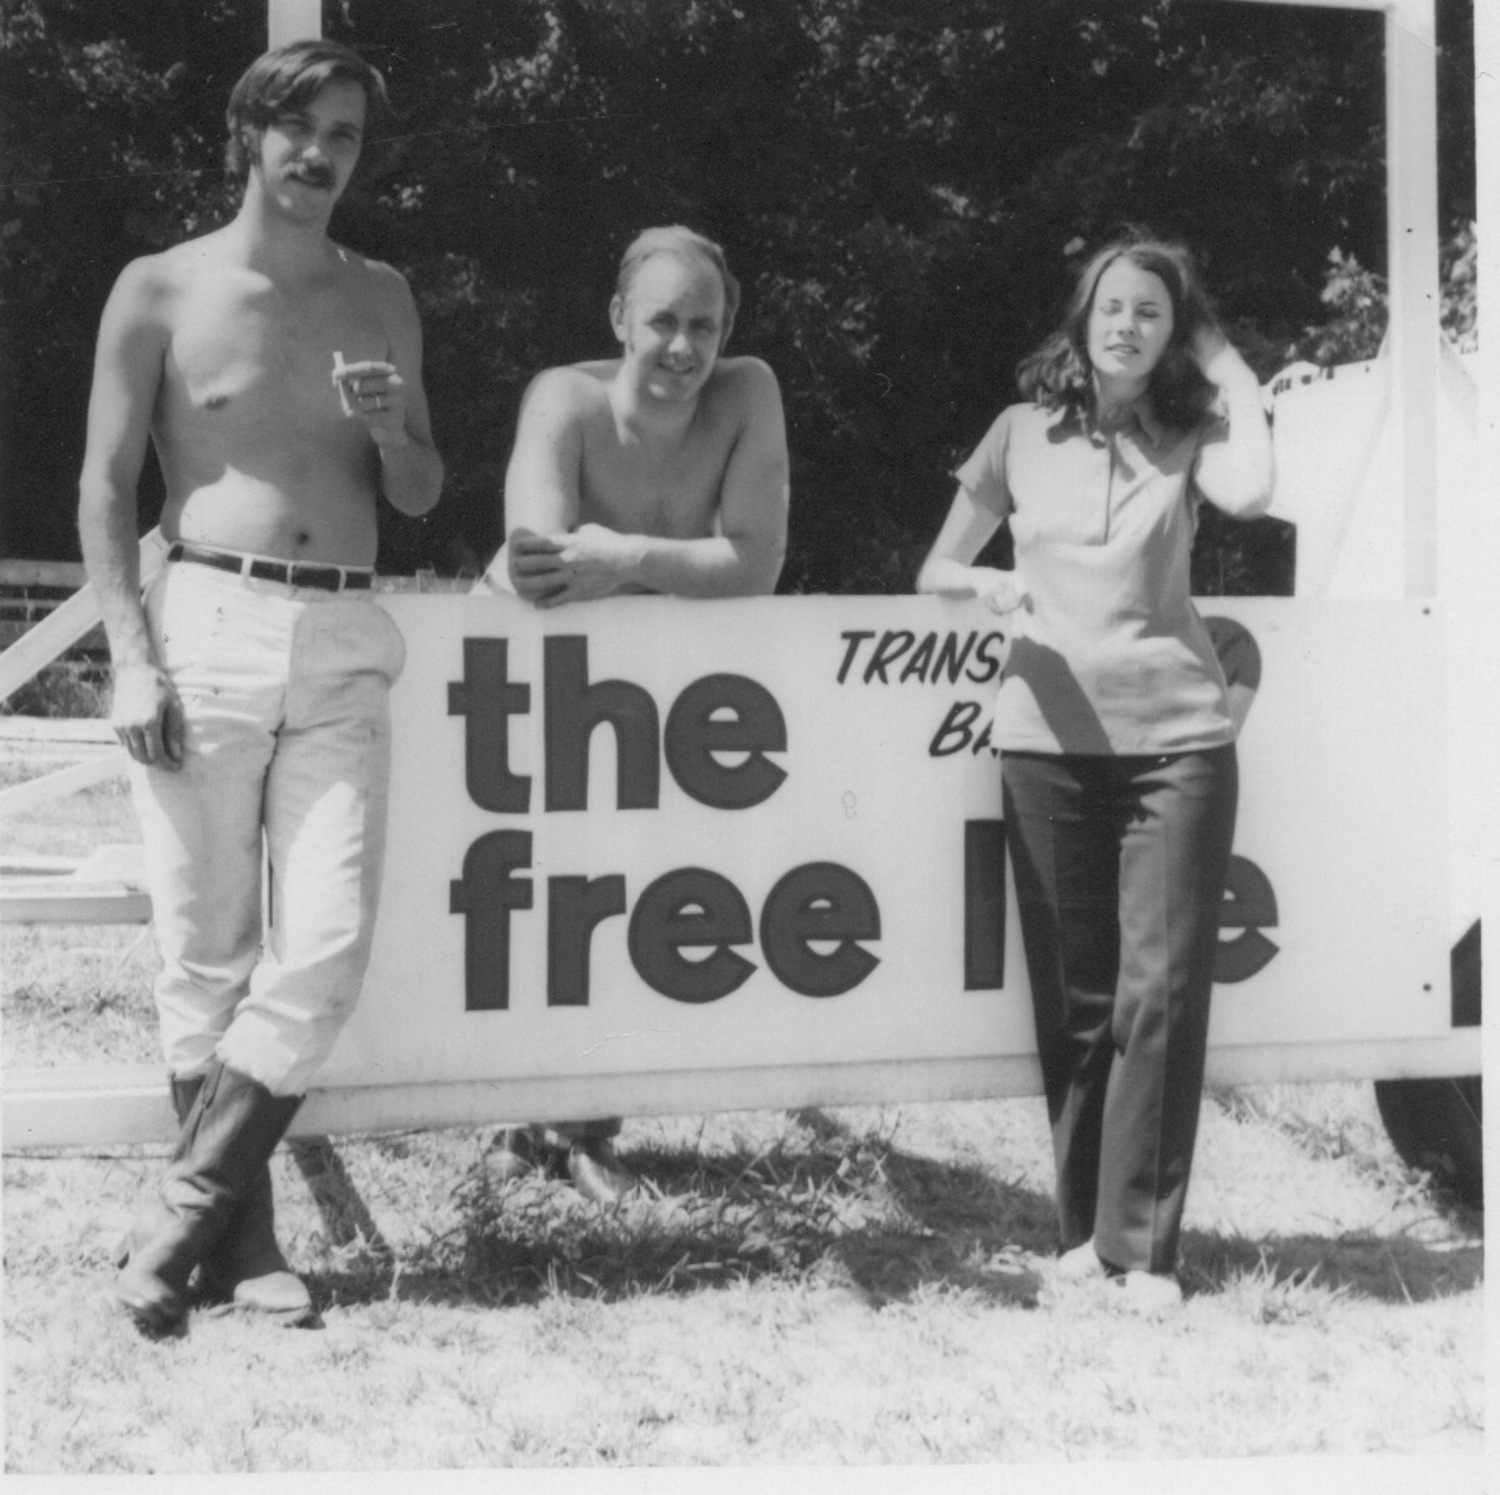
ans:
(232, 1127)
(184, 1093)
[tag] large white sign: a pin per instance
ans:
(651, 855)
(651, 838)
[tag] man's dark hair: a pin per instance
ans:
(287, 78)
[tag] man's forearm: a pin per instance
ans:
(711, 567)
(411, 474)
(948, 577)
(112, 558)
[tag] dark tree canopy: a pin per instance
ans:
(903, 186)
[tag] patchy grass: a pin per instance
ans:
(74, 686)
(859, 1286)
(78, 995)
(74, 994)
(72, 826)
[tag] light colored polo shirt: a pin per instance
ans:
(1112, 656)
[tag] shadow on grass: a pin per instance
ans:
(829, 1208)
(1383, 1269)
(346, 1218)
(825, 1207)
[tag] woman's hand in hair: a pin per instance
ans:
(1221, 362)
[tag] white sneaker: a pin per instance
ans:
(1081, 1264)
(1147, 1292)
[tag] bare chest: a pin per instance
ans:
(243, 348)
(673, 495)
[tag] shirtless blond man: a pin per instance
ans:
(251, 681)
(662, 470)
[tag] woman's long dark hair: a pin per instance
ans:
(1058, 375)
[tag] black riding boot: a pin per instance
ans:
(230, 1132)
(245, 1266)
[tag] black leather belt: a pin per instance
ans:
(290, 573)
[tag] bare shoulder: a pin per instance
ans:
(382, 282)
(151, 281)
(745, 387)
(144, 287)
(747, 378)
(572, 390)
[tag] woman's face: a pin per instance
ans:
(1130, 323)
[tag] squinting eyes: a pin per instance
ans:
(299, 124)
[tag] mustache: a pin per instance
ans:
(314, 176)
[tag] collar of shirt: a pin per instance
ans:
(1135, 413)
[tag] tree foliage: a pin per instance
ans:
(904, 187)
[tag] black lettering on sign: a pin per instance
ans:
(891, 647)
(1249, 906)
(984, 905)
(854, 638)
(820, 901)
(485, 897)
(574, 708)
(697, 728)
(691, 907)
(921, 659)
(955, 732)
(487, 698)
(575, 907)
(988, 661)
(929, 663)
(951, 658)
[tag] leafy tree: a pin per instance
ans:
(904, 187)
(114, 139)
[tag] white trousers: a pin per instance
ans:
(286, 762)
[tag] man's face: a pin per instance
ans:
(308, 154)
(671, 323)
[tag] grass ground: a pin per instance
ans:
(854, 1287)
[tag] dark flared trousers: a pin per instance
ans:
(1120, 864)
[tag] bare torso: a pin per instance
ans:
(625, 485)
(255, 449)
(672, 492)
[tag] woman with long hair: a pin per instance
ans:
(1117, 742)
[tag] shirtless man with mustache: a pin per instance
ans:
(278, 376)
